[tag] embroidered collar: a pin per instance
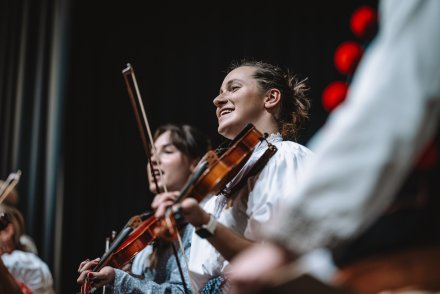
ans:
(272, 138)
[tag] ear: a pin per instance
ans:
(272, 99)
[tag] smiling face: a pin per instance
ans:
(240, 102)
(174, 165)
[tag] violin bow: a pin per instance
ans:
(144, 127)
(143, 124)
(9, 184)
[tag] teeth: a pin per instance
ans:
(226, 111)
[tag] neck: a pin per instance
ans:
(266, 125)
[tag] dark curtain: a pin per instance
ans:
(33, 46)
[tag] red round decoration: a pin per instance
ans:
(334, 94)
(347, 56)
(363, 22)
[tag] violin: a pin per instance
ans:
(210, 176)
(134, 237)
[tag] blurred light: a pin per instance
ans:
(363, 22)
(334, 94)
(347, 56)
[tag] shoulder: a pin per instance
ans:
(286, 150)
(293, 148)
(283, 167)
(23, 259)
(28, 244)
(291, 152)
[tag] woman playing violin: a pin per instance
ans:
(30, 271)
(275, 103)
(154, 269)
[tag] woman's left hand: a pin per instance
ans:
(104, 277)
(192, 212)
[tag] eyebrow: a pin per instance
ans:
(165, 146)
(228, 84)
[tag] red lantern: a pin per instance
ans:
(347, 57)
(334, 94)
(363, 22)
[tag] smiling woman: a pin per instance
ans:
(240, 100)
(275, 103)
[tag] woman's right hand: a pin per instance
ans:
(162, 201)
(189, 209)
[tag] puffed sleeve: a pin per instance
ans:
(274, 184)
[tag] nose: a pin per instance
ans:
(219, 100)
(155, 160)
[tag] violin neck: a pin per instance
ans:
(189, 184)
(118, 241)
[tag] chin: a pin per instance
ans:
(230, 132)
(227, 131)
(153, 187)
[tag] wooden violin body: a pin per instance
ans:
(135, 236)
(143, 235)
(222, 169)
(212, 174)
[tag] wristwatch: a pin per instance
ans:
(207, 230)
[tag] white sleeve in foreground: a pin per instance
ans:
(371, 141)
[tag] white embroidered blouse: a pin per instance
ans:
(253, 205)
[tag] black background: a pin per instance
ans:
(179, 52)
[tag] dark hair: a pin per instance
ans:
(295, 103)
(194, 144)
(5, 220)
(12, 216)
(187, 139)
